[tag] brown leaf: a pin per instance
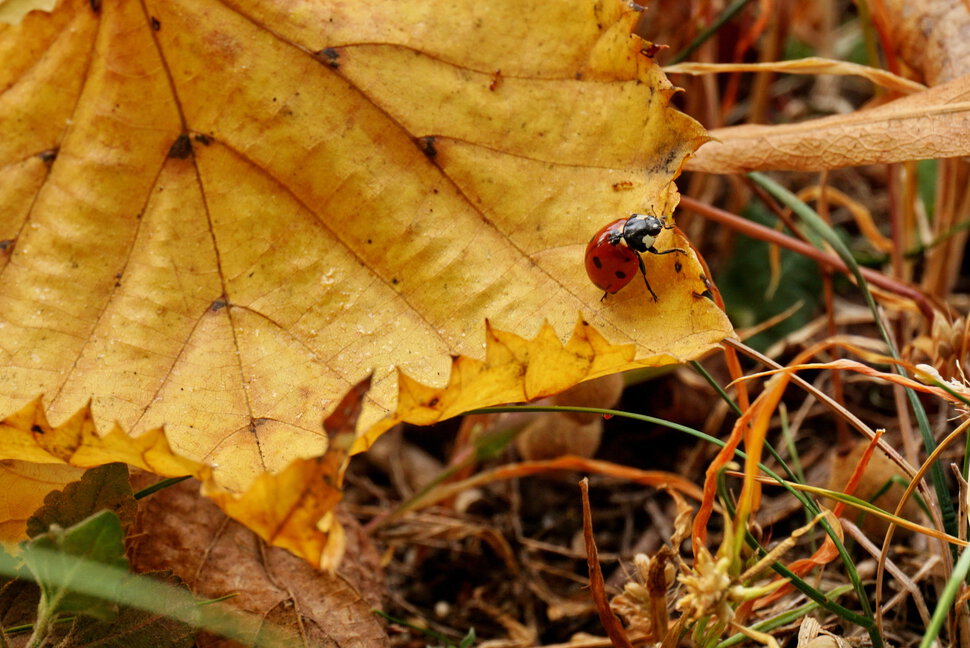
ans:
(597, 585)
(934, 123)
(103, 488)
(930, 35)
(181, 531)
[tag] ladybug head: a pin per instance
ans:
(641, 230)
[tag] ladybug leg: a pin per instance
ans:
(604, 296)
(643, 272)
(653, 250)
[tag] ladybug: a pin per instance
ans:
(613, 254)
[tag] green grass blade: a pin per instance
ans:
(823, 230)
(945, 603)
(866, 620)
(711, 29)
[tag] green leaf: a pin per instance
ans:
(751, 299)
(468, 640)
(100, 539)
(102, 488)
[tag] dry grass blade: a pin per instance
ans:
(810, 65)
(917, 479)
(871, 510)
(652, 478)
(907, 584)
(597, 586)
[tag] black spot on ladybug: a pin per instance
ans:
(36, 429)
(597, 262)
(218, 305)
(95, 5)
(678, 266)
(155, 24)
(203, 139)
(620, 274)
(330, 56)
(181, 148)
(427, 147)
(48, 156)
(6, 245)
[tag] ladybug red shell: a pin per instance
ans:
(610, 263)
(613, 254)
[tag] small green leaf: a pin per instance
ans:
(100, 539)
(748, 274)
(468, 640)
(102, 488)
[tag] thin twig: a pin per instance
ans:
(763, 233)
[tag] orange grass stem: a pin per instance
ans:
(763, 233)
(652, 478)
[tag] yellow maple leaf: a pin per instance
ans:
(218, 218)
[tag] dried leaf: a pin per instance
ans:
(215, 556)
(930, 35)
(934, 123)
(520, 370)
(133, 628)
(294, 508)
(220, 216)
(26, 435)
(102, 488)
(809, 65)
